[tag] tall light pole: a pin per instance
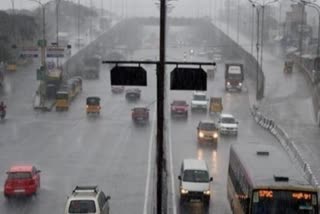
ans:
(252, 28)
(43, 44)
(238, 20)
(317, 7)
(57, 26)
(311, 3)
(260, 5)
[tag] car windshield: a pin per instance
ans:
(199, 97)
(235, 76)
(200, 176)
(179, 103)
(93, 101)
(139, 110)
(207, 126)
(19, 175)
(82, 206)
(228, 120)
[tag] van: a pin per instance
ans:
(195, 182)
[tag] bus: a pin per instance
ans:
(262, 179)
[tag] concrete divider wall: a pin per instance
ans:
(126, 33)
(233, 51)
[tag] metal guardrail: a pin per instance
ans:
(286, 142)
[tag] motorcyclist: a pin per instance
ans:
(2, 109)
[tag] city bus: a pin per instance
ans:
(262, 179)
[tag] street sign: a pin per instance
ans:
(56, 52)
(29, 52)
(128, 75)
(42, 43)
(188, 79)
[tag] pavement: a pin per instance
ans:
(287, 100)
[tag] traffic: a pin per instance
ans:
(72, 142)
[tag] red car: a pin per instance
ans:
(140, 114)
(22, 180)
(179, 108)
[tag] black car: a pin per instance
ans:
(133, 94)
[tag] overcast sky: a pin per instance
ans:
(129, 7)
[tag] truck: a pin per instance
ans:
(54, 80)
(234, 76)
(91, 67)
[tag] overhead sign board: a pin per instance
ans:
(29, 52)
(128, 75)
(56, 52)
(188, 79)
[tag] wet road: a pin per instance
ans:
(73, 149)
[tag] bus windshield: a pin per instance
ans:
(284, 202)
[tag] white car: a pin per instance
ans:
(199, 101)
(87, 199)
(228, 124)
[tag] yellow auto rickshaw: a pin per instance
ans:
(215, 105)
(288, 66)
(93, 105)
(11, 67)
(62, 101)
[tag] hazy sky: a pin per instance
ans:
(129, 7)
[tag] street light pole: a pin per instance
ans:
(317, 8)
(238, 20)
(57, 27)
(252, 29)
(42, 87)
(257, 46)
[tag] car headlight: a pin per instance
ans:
(201, 135)
(215, 135)
(207, 192)
(240, 83)
(228, 83)
(184, 191)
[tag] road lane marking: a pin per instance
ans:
(174, 205)
(151, 140)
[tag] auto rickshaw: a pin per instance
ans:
(215, 105)
(11, 67)
(288, 66)
(93, 105)
(62, 100)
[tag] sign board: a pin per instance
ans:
(29, 52)
(128, 75)
(42, 43)
(188, 79)
(56, 52)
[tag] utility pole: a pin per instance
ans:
(257, 46)
(317, 8)
(57, 27)
(262, 35)
(43, 44)
(301, 29)
(238, 20)
(160, 108)
(252, 29)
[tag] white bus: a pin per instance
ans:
(262, 179)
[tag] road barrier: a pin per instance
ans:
(286, 142)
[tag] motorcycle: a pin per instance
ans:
(2, 114)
